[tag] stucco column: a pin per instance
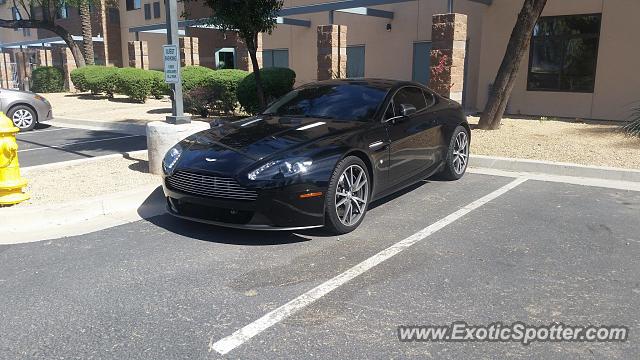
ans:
(138, 54)
(332, 52)
(44, 57)
(6, 76)
(243, 60)
(68, 64)
(449, 38)
(24, 70)
(189, 51)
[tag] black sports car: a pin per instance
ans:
(317, 156)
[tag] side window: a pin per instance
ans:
(389, 113)
(410, 95)
(431, 100)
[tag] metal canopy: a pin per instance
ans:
(45, 42)
(348, 5)
(357, 7)
(368, 12)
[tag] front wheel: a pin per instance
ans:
(23, 117)
(457, 154)
(348, 196)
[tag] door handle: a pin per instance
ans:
(378, 145)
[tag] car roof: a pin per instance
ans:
(384, 84)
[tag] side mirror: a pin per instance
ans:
(407, 109)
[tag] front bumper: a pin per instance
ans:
(273, 209)
(45, 113)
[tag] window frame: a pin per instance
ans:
(422, 91)
(147, 11)
(133, 5)
(564, 39)
(157, 10)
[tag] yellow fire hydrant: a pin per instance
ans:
(11, 183)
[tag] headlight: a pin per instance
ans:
(38, 97)
(171, 158)
(280, 169)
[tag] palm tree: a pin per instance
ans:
(87, 36)
(633, 128)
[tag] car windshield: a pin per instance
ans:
(347, 102)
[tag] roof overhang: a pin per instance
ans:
(45, 42)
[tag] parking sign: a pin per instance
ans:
(171, 64)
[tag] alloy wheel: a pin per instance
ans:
(22, 118)
(352, 194)
(460, 152)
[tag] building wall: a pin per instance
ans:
(132, 18)
(11, 35)
(617, 84)
(388, 54)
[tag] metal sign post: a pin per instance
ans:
(172, 64)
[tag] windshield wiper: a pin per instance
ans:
(320, 117)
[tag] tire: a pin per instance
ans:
(346, 217)
(457, 155)
(23, 117)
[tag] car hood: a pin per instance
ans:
(233, 146)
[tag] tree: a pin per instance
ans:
(506, 77)
(25, 18)
(249, 18)
(87, 31)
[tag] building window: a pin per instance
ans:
(225, 58)
(563, 53)
(2, 2)
(134, 4)
(275, 58)
(63, 11)
(355, 61)
(147, 11)
(15, 14)
(114, 16)
(421, 62)
(156, 10)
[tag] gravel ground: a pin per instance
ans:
(587, 143)
(85, 180)
(102, 109)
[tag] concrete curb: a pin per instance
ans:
(124, 128)
(71, 218)
(554, 168)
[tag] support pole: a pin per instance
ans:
(173, 38)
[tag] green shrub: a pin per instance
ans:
(136, 83)
(199, 101)
(216, 93)
(224, 83)
(275, 82)
(100, 79)
(160, 88)
(194, 76)
(79, 79)
(47, 79)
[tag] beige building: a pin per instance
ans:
(580, 62)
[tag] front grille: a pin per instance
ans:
(209, 186)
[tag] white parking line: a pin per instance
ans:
(36, 132)
(242, 335)
(77, 143)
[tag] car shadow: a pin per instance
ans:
(153, 211)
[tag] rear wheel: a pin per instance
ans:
(457, 155)
(23, 117)
(348, 196)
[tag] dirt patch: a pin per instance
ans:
(86, 180)
(580, 142)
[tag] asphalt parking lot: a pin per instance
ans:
(483, 249)
(52, 144)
